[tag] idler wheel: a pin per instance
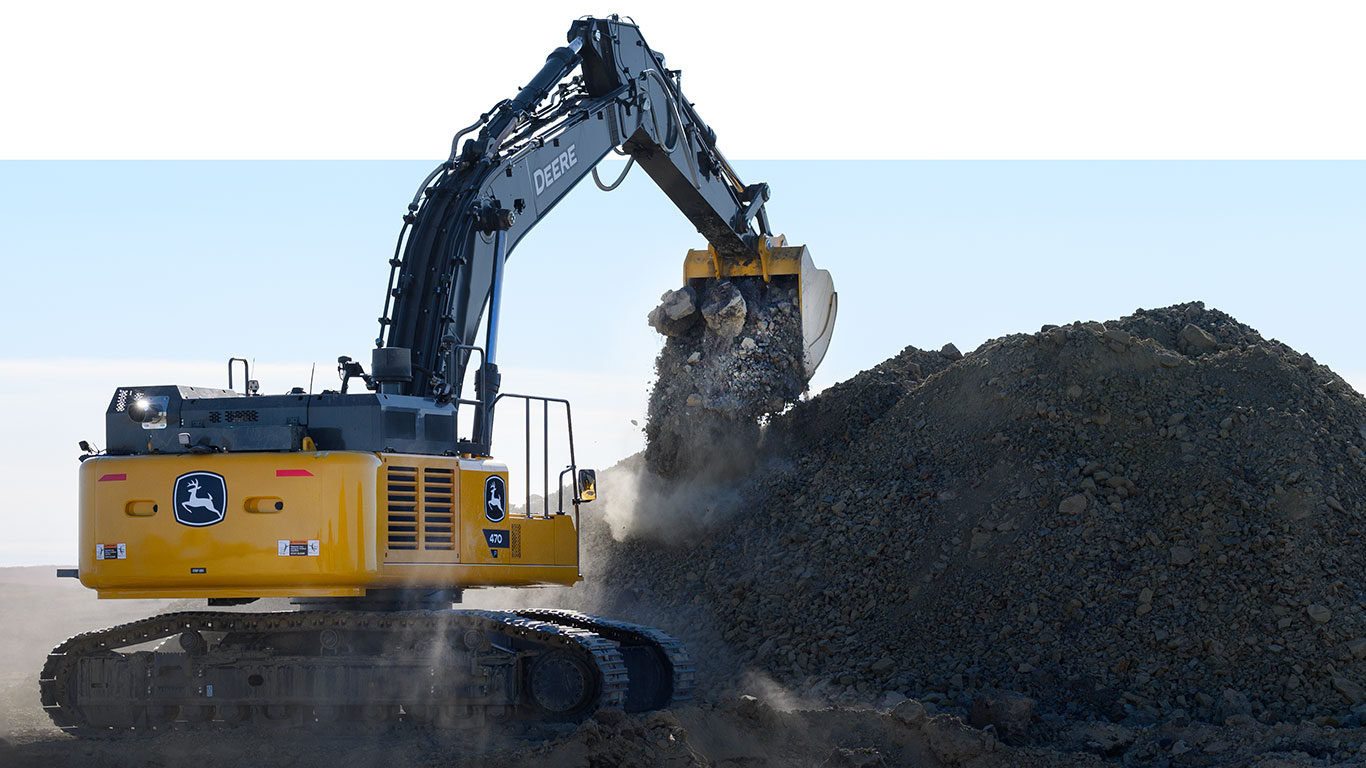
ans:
(561, 684)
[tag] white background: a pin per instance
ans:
(343, 80)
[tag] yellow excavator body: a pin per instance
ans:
(310, 524)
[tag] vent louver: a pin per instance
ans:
(421, 508)
(402, 489)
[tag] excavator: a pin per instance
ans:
(364, 507)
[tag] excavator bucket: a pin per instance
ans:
(778, 261)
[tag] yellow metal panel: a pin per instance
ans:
(310, 524)
(327, 498)
(529, 551)
(784, 260)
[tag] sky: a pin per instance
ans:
(170, 200)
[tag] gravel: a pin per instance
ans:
(1146, 521)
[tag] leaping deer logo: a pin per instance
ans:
(200, 498)
(197, 501)
(493, 499)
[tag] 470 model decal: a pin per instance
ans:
(550, 174)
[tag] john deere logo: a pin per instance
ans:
(201, 498)
(495, 495)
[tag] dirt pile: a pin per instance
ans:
(732, 356)
(1151, 520)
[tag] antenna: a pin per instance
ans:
(311, 371)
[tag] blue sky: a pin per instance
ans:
(181, 264)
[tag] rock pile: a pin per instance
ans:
(732, 356)
(1151, 520)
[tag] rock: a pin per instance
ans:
(1320, 614)
(1105, 739)
(1073, 505)
(882, 665)
(724, 310)
(890, 699)
(693, 401)
(860, 757)
(1010, 713)
(1074, 391)
(1169, 359)
(676, 312)
(695, 357)
(1352, 690)
(953, 741)
(1233, 703)
(1181, 555)
(950, 352)
(1357, 647)
(910, 712)
(748, 343)
(679, 304)
(1334, 504)
(1198, 340)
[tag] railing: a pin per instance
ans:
(545, 456)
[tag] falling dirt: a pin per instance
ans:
(732, 356)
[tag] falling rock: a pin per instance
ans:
(679, 304)
(1073, 505)
(953, 741)
(1182, 555)
(1319, 613)
(676, 312)
(724, 310)
(1198, 340)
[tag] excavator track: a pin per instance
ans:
(444, 669)
(649, 654)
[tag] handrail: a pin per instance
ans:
(545, 444)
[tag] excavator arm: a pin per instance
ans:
(528, 153)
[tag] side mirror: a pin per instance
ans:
(588, 485)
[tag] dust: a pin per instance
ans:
(40, 611)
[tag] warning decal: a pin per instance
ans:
(111, 551)
(297, 547)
